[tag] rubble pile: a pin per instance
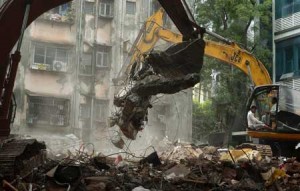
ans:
(180, 167)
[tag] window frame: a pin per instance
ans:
(128, 11)
(56, 108)
(84, 111)
(59, 10)
(291, 45)
(105, 5)
(100, 110)
(45, 65)
(91, 10)
(89, 64)
(285, 9)
(104, 55)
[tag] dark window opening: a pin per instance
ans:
(48, 111)
(130, 7)
(89, 7)
(285, 8)
(287, 57)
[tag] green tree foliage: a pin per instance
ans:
(203, 120)
(249, 24)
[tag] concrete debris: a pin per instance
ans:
(133, 105)
(140, 188)
(165, 72)
(178, 171)
(181, 167)
(181, 152)
(240, 155)
(178, 60)
(151, 159)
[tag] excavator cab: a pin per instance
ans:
(265, 98)
(279, 108)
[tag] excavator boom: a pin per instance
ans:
(230, 53)
(177, 11)
(171, 64)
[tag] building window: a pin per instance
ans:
(86, 64)
(287, 57)
(85, 111)
(103, 57)
(63, 13)
(130, 7)
(100, 110)
(285, 8)
(106, 8)
(48, 111)
(50, 58)
(61, 10)
(89, 7)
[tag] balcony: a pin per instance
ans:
(287, 23)
(62, 14)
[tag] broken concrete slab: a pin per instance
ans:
(178, 171)
(179, 60)
(166, 72)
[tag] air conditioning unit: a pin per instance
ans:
(59, 66)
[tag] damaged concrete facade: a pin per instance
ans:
(70, 56)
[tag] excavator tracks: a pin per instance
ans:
(19, 157)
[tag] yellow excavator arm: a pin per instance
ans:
(229, 53)
(234, 55)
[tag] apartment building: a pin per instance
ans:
(70, 56)
(286, 57)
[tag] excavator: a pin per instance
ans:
(228, 52)
(16, 16)
(285, 121)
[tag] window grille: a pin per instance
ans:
(48, 111)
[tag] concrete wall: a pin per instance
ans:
(53, 32)
(55, 84)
